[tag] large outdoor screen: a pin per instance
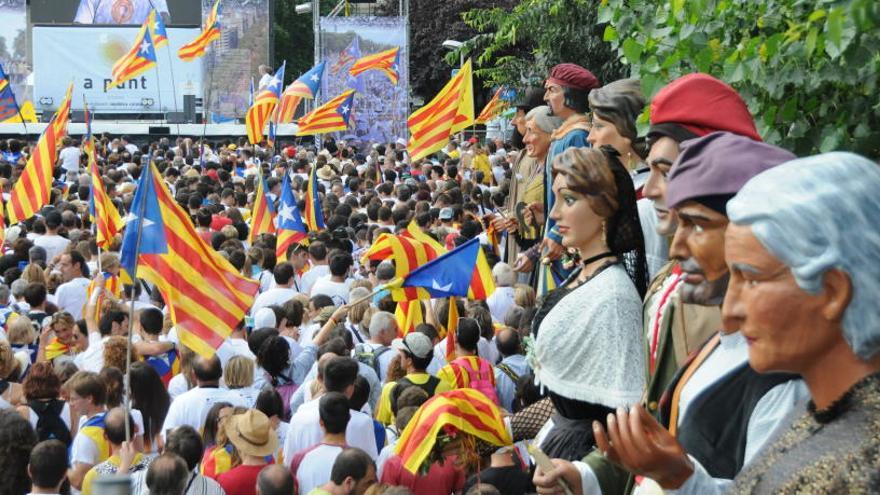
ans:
(114, 12)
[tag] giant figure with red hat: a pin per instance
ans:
(566, 92)
(675, 325)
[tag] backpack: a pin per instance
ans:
(482, 379)
(286, 391)
(370, 356)
(507, 370)
(50, 426)
(429, 386)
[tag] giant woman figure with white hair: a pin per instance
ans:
(803, 249)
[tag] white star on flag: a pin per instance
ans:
(131, 217)
(344, 110)
(274, 82)
(145, 47)
(436, 286)
(285, 213)
(315, 78)
(156, 28)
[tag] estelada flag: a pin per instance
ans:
(264, 105)
(492, 109)
(210, 32)
(290, 226)
(140, 58)
(206, 296)
(305, 87)
(331, 116)
(462, 272)
(263, 216)
(386, 61)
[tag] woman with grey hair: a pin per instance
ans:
(802, 249)
(527, 189)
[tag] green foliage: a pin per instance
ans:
(518, 46)
(294, 38)
(808, 70)
(431, 23)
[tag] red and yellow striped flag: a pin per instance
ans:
(465, 410)
(493, 108)
(409, 315)
(415, 232)
(462, 272)
(108, 223)
(210, 32)
(205, 294)
(450, 327)
(263, 216)
(62, 115)
(385, 61)
(33, 188)
(103, 212)
(408, 254)
(452, 110)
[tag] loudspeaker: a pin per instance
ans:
(175, 118)
(189, 108)
(159, 130)
(77, 116)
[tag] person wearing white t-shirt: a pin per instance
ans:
(281, 293)
(235, 345)
(319, 268)
(337, 285)
(191, 407)
(112, 323)
(376, 352)
(87, 394)
(53, 243)
(305, 427)
(71, 295)
(69, 157)
(311, 467)
(501, 300)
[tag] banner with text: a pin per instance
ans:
(86, 55)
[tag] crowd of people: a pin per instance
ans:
(686, 309)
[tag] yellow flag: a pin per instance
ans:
(27, 114)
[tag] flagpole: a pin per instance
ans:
(159, 91)
(207, 108)
(170, 65)
(142, 208)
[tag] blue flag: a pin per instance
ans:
(153, 230)
(289, 217)
(447, 275)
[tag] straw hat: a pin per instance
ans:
(252, 434)
(326, 173)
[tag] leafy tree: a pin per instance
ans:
(431, 23)
(808, 70)
(517, 46)
(294, 37)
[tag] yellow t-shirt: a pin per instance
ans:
(92, 474)
(384, 414)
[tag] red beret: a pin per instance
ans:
(573, 76)
(702, 105)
